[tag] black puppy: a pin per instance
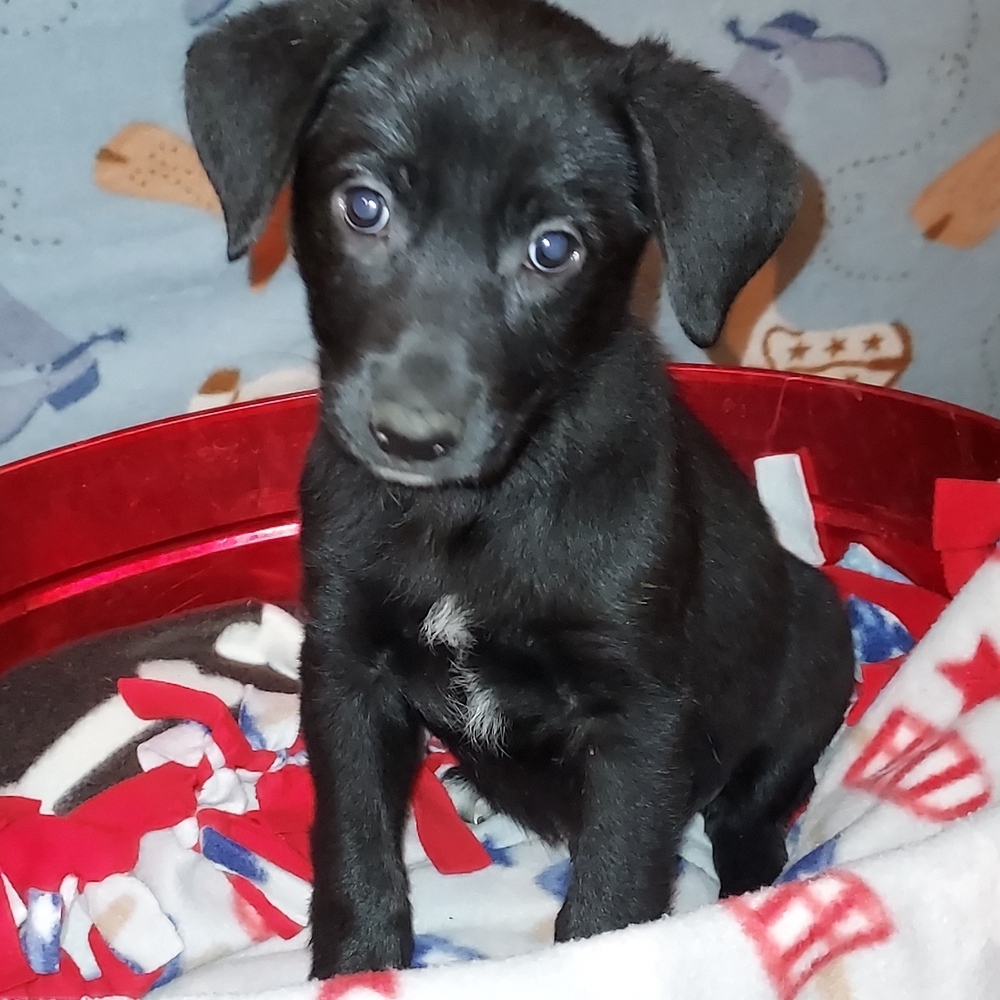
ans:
(513, 533)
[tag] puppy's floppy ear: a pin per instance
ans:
(721, 185)
(252, 87)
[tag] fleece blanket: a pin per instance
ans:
(159, 841)
(117, 303)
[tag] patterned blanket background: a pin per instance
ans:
(117, 304)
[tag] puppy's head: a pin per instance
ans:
(473, 185)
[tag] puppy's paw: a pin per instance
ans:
(322, 967)
(748, 860)
(469, 804)
(337, 961)
(374, 942)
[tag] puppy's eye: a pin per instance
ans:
(554, 250)
(365, 210)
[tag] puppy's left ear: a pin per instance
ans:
(720, 184)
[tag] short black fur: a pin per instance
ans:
(623, 617)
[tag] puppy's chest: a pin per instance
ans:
(462, 677)
(466, 699)
(465, 659)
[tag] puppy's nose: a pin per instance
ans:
(414, 435)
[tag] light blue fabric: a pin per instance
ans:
(878, 97)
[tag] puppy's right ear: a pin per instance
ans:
(253, 86)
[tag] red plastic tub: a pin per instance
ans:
(202, 509)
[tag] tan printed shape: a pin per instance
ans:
(961, 206)
(114, 917)
(544, 930)
(149, 161)
(219, 389)
(221, 381)
(873, 353)
(831, 982)
(228, 385)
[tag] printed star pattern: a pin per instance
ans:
(979, 678)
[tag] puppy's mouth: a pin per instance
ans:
(418, 450)
(481, 452)
(405, 477)
(452, 470)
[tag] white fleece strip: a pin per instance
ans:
(781, 485)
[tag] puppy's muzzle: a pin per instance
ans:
(413, 434)
(418, 414)
(420, 403)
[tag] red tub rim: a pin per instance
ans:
(201, 508)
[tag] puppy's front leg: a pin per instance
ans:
(625, 858)
(363, 744)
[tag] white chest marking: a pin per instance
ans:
(449, 624)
